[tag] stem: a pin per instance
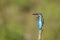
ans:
(39, 34)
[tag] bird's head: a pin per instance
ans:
(38, 14)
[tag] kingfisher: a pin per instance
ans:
(39, 20)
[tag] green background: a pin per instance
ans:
(16, 15)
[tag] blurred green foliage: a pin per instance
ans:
(13, 30)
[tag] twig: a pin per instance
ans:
(39, 34)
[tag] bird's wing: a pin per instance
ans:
(42, 21)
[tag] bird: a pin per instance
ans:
(39, 20)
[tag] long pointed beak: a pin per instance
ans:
(35, 14)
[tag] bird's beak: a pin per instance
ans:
(35, 14)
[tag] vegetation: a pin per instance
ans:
(17, 22)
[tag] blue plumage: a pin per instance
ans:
(40, 21)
